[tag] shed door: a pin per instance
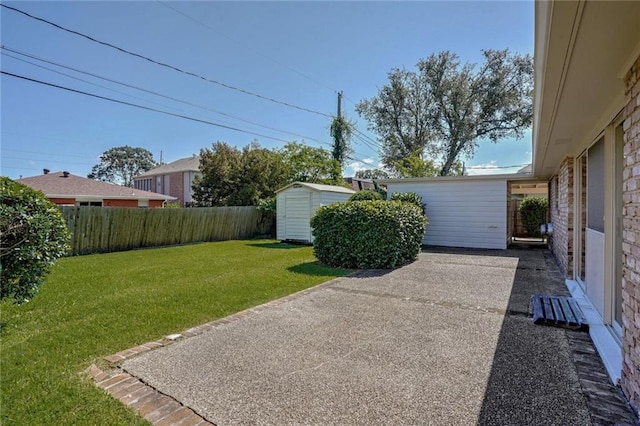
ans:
(297, 217)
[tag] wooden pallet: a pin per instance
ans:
(558, 311)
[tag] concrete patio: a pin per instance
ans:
(446, 340)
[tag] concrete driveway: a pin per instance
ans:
(443, 341)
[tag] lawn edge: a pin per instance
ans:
(148, 402)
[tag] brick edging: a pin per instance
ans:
(157, 408)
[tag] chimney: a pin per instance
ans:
(65, 174)
(46, 171)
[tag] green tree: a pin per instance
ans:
(372, 174)
(533, 211)
(309, 164)
(33, 235)
(261, 173)
(446, 108)
(121, 164)
(230, 176)
(341, 131)
(218, 167)
(414, 166)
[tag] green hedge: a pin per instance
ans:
(533, 211)
(33, 235)
(366, 195)
(408, 197)
(368, 234)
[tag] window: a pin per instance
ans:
(90, 203)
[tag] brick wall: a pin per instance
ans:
(63, 201)
(509, 214)
(119, 203)
(176, 186)
(630, 382)
(561, 214)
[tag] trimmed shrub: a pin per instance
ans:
(366, 195)
(33, 235)
(533, 211)
(408, 197)
(368, 234)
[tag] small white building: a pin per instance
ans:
(465, 211)
(297, 202)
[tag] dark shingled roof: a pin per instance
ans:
(55, 184)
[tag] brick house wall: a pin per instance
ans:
(630, 382)
(119, 203)
(510, 217)
(176, 186)
(63, 201)
(561, 215)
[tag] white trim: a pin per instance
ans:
(605, 342)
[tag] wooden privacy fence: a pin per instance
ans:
(100, 229)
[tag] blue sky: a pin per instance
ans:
(300, 53)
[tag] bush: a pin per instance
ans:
(533, 211)
(408, 197)
(368, 234)
(267, 209)
(366, 195)
(33, 235)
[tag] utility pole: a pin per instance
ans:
(340, 104)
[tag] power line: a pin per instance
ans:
(191, 18)
(144, 90)
(142, 107)
(83, 80)
(365, 142)
(368, 138)
(137, 55)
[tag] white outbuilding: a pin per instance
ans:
(465, 211)
(297, 202)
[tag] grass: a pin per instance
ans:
(93, 306)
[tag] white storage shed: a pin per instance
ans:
(463, 211)
(297, 202)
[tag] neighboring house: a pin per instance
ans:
(358, 184)
(173, 179)
(65, 189)
(586, 143)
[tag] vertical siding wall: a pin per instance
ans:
(561, 212)
(631, 241)
(462, 213)
(293, 222)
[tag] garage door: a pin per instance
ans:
(297, 217)
(463, 213)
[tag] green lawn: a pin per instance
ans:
(96, 305)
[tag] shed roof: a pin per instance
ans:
(318, 187)
(63, 184)
(189, 164)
